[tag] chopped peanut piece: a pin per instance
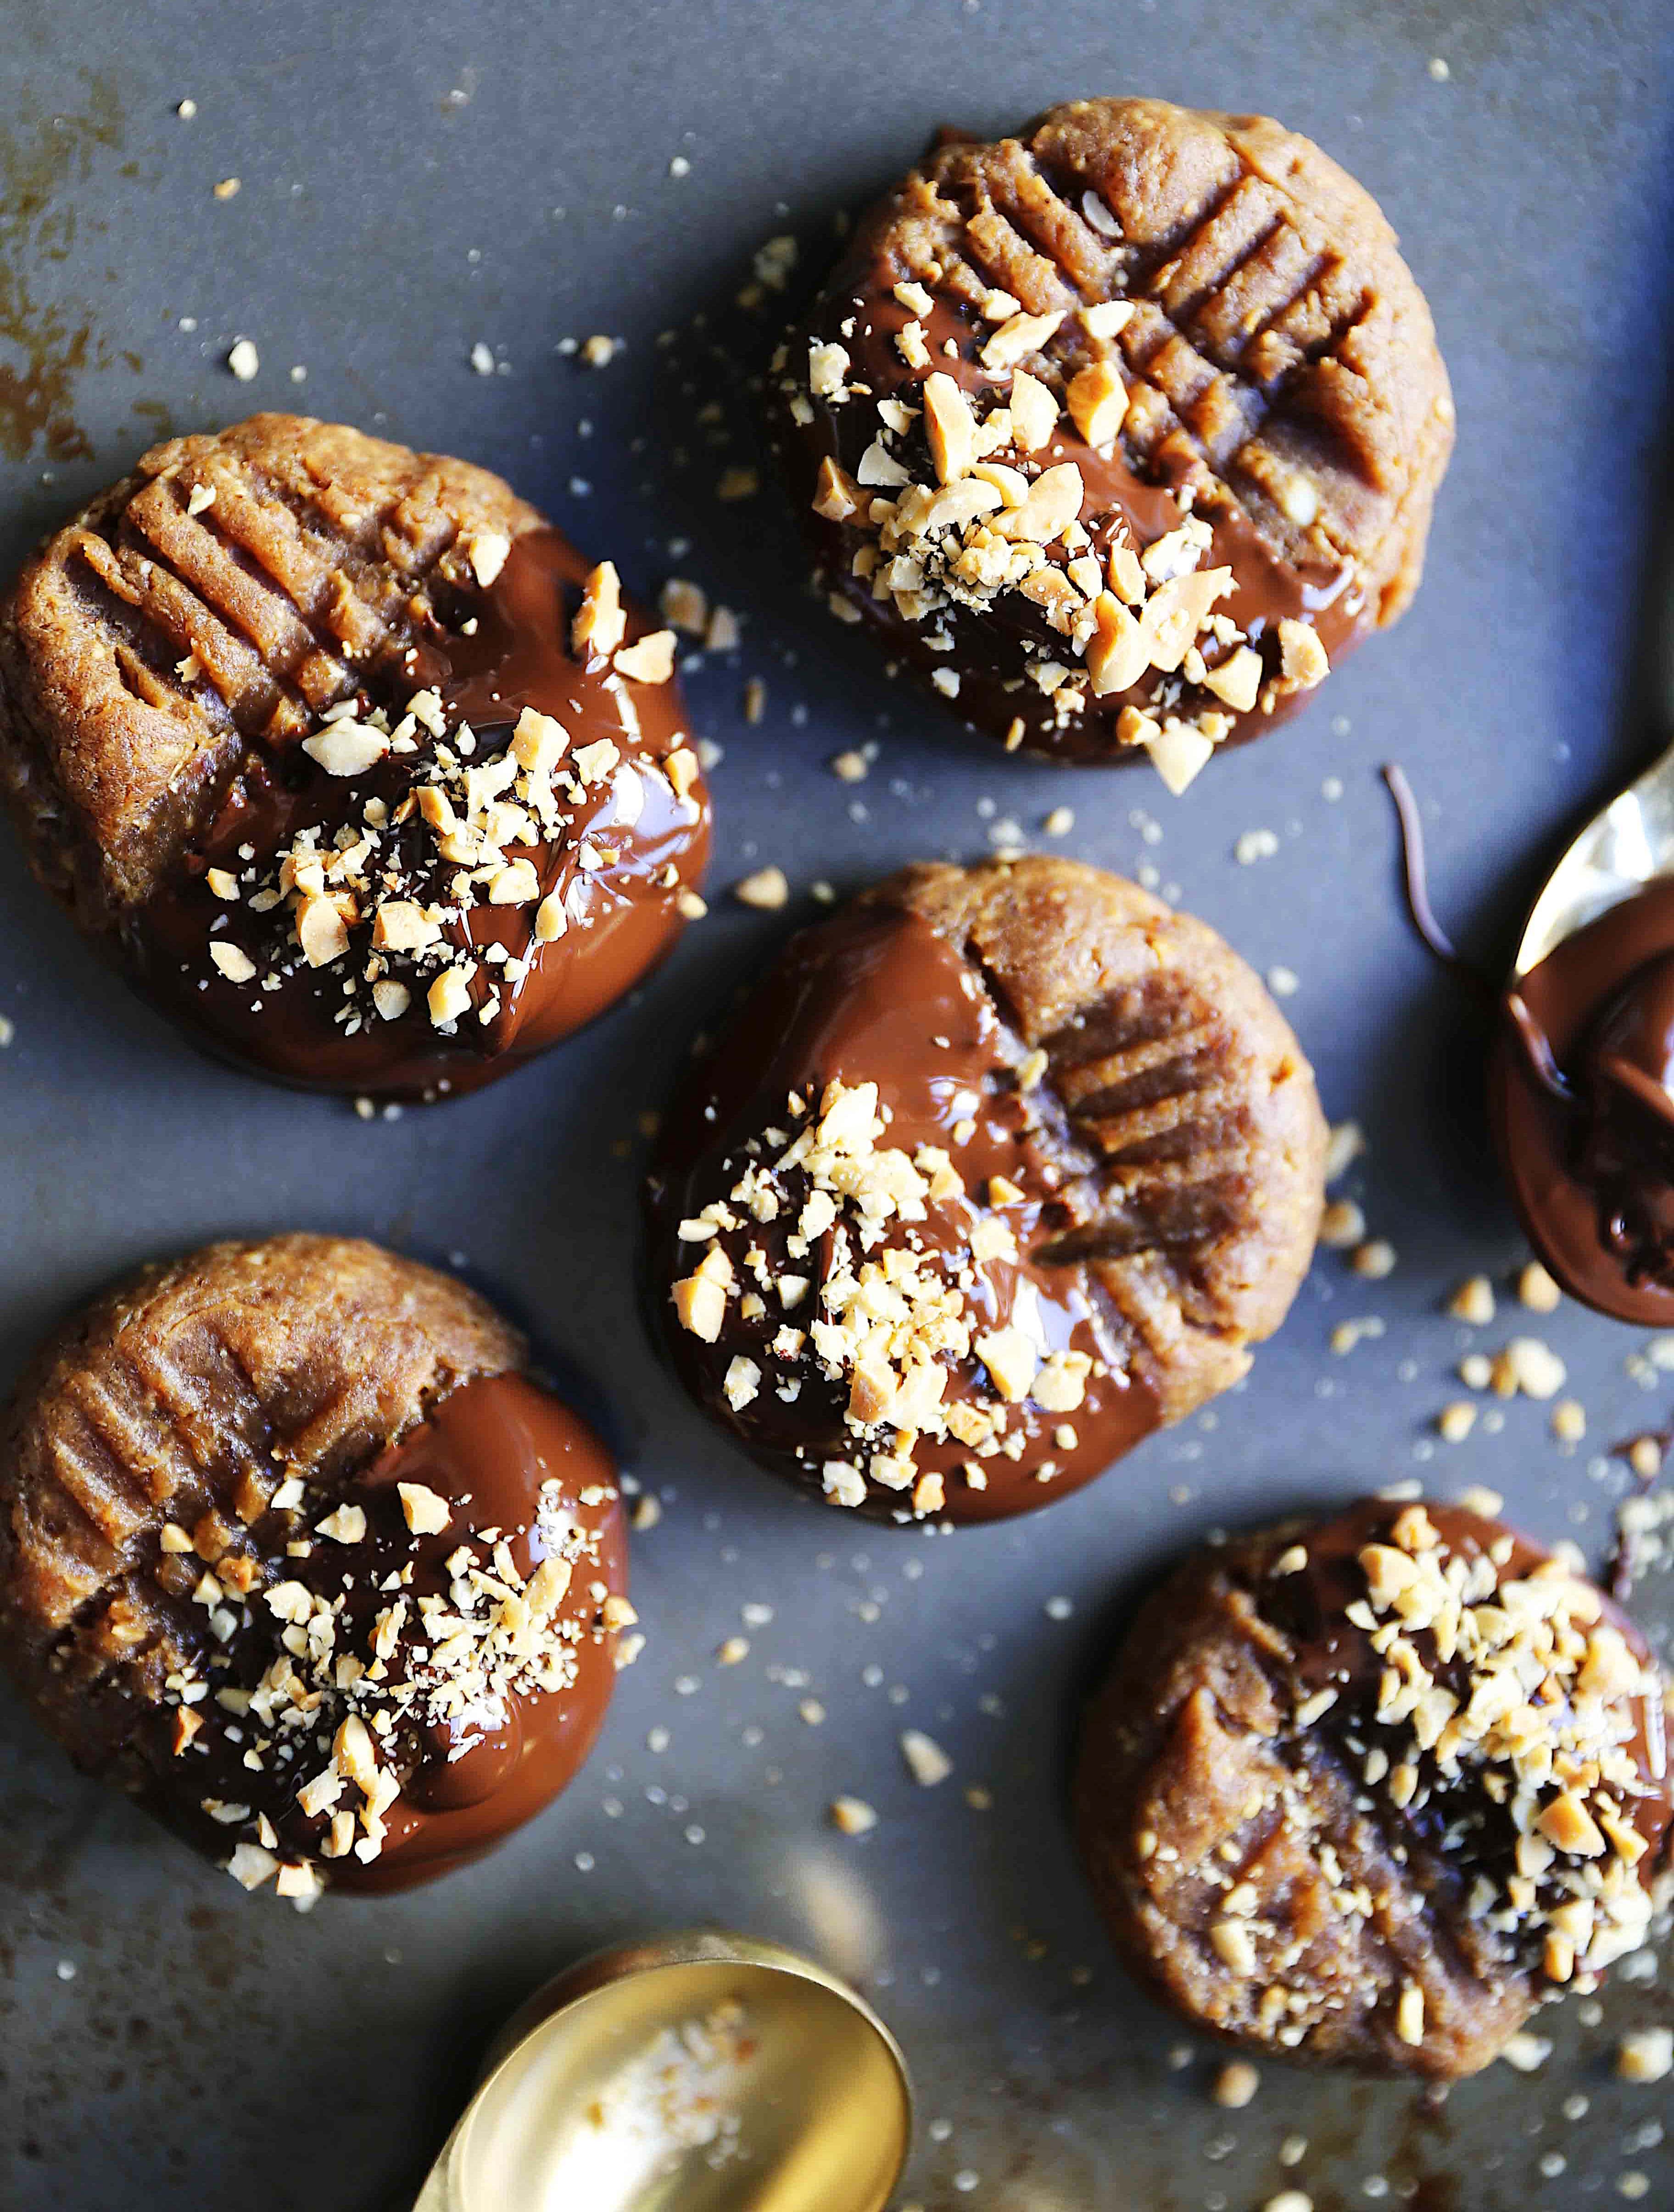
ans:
(701, 1307)
(649, 661)
(425, 1511)
(1098, 401)
(321, 931)
(949, 425)
(1034, 412)
(1018, 338)
(1117, 654)
(600, 622)
(448, 997)
(1237, 680)
(1302, 657)
(767, 889)
(837, 495)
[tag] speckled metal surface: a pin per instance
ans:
(415, 181)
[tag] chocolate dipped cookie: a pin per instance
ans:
(996, 1170)
(353, 764)
(1364, 1791)
(1121, 432)
(295, 1550)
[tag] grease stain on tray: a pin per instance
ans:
(48, 341)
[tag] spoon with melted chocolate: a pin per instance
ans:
(1581, 1080)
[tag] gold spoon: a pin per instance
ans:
(1618, 852)
(704, 2071)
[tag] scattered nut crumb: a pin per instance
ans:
(1569, 1421)
(1236, 2084)
(1375, 1260)
(1455, 1422)
(1348, 1333)
(927, 1762)
(1341, 1224)
(852, 1816)
(1478, 1497)
(1526, 2053)
(243, 359)
(734, 1649)
(1346, 1144)
(1646, 2055)
(1537, 1289)
(1528, 1365)
(1473, 1302)
(766, 889)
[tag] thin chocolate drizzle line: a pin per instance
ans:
(1416, 883)
(1537, 1050)
(1643, 1088)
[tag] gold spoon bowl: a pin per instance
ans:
(703, 2070)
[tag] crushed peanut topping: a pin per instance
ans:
(384, 900)
(959, 505)
(361, 1674)
(1511, 1706)
(875, 1308)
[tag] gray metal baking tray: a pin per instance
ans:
(418, 180)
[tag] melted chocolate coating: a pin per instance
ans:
(877, 995)
(1582, 1113)
(487, 1448)
(622, 914)
(990, 650)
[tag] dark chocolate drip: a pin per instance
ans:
(1415, 878)
(487, 1448)
(877, 995)
(1537, 1047)
(1582, 1095)
(618, 858)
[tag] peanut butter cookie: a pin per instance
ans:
(1123, 431)
(292, 1550)
(1364, 1791)
(354, 765)
(996, 1171)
